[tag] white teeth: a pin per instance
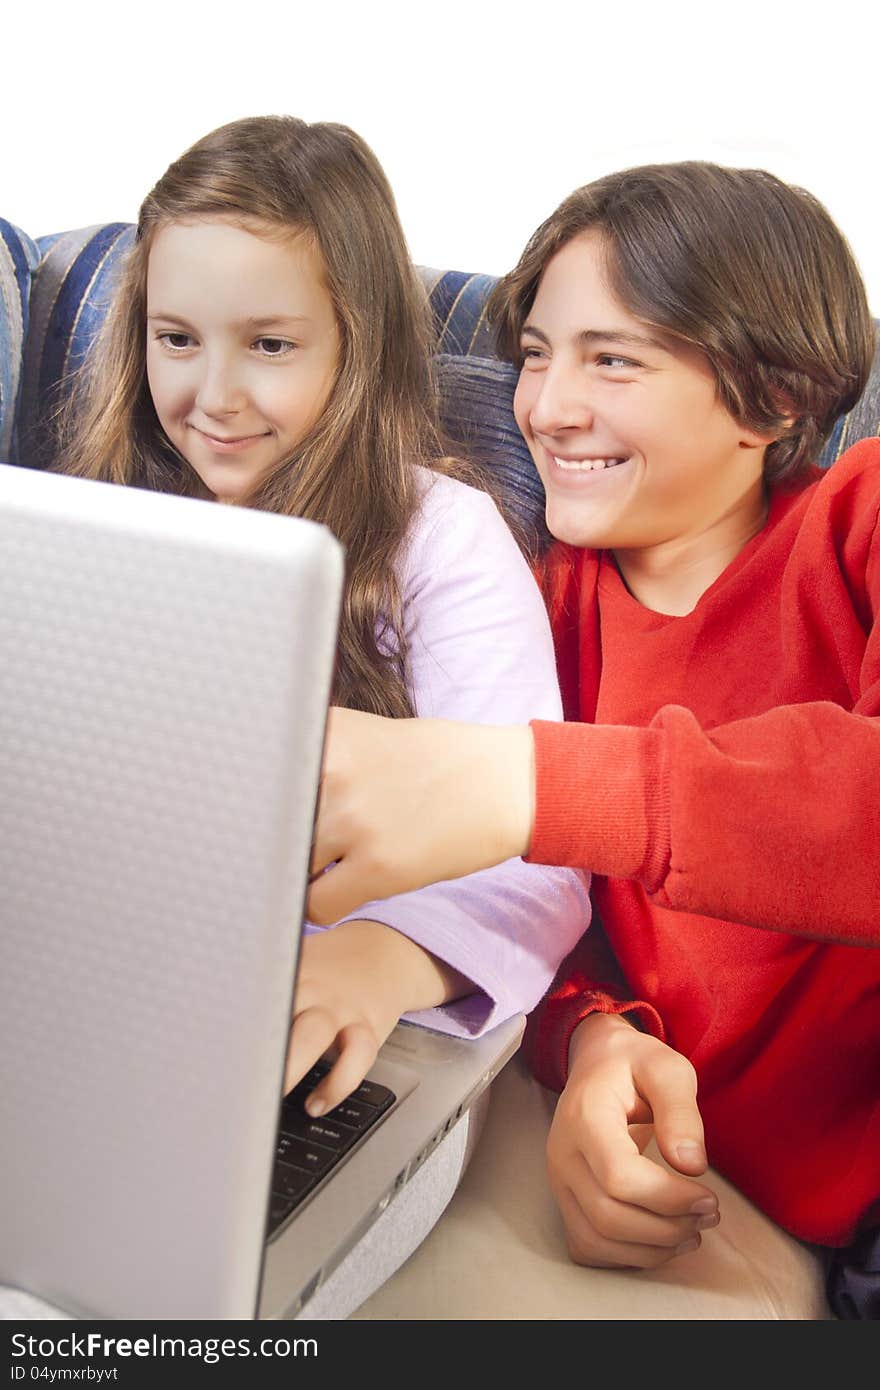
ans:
(584, 465)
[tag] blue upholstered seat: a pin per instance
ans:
(19, 257)
(54, 293)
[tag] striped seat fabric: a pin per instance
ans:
(70, 293)
(55, 293)
(19, 257)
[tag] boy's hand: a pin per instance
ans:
(407, 802)
(353, 984)
(621, 1209)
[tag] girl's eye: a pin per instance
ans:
(176, 341)
(531, 354)
(274, 347)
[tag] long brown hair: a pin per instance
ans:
(277, 175)
(748, 269)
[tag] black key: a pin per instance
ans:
(335, 1136)
(355, 1113)
(304, 1087)
(311, 1157)
(290, 1182)
(373, 1094)
(279, 1207)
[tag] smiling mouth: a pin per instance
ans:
(231, 445)
(586, 465)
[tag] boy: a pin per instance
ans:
(686, 337)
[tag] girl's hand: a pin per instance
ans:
(353, 984)
(620, 1208)
(407, 802)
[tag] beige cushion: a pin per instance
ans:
(498, 1252)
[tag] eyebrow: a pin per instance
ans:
(589, 336)
(253, 324)
(276, 318)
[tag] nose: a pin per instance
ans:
(561, 400)
(220, 392)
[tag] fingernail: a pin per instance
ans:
(687, 1246)
(689, 1152)
(706, 1223)
(704, 1207)
(315, 1108)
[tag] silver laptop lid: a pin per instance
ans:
(165, 667)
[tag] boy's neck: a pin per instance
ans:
(672, 577)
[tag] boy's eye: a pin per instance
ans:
(611, 359)
(274, 347)
(530, 352)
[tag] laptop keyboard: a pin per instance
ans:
(308, 1149)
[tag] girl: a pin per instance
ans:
(686, 337)
(268, 347)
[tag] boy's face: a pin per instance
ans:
(242, 348)
(623, 422)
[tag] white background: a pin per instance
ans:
(484, 115)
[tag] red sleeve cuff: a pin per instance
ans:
(550, 1028)
(602, 800)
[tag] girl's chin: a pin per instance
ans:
(229, 484)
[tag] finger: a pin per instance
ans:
(678, 1125)
(313, 1031)
(627, 1175)
(617, 1221)
(357, 1053)
(335, 892)
(588, 1247)
(328, 839)
(326, 850)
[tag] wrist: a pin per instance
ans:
(417, 978)
(510, 775)
(591, 1031)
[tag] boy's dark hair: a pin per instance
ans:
(737, 263)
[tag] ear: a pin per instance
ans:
(762, 439)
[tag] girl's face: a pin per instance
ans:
(624, 423)
(242, 348)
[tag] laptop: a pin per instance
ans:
(165, 671)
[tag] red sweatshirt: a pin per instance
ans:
(724, 786)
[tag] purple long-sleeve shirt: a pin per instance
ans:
(481, 651)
